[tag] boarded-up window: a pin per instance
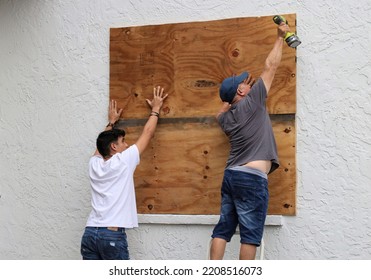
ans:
(182, 170)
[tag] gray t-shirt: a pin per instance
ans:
(249, 128)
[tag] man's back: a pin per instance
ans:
(113, 194)
(248, 126)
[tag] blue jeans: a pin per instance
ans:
(245, 203)
(100, 243)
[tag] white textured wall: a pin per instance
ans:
(54, 78)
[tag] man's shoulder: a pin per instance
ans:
(133, 148)
(259, 85)
(95, 158)
(130, 154)
(258, 91)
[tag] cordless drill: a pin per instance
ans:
(291, 39)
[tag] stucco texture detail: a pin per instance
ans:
(54, 87)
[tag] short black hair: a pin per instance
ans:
(105, 139)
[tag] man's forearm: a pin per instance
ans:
(271, 63)
(274, 57)
(148, 130)
(151, 124)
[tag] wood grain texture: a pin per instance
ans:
(181, 172)
(191, 59)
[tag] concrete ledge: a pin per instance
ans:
(271, 220)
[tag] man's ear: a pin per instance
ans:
(240, 94)
(244, 93)
(113, 146)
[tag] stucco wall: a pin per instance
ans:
(54, 78)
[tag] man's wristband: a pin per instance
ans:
(110, 124)
(153, 113)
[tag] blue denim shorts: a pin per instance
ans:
(245, 203)
(101, 243)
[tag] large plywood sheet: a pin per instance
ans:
(181, 172)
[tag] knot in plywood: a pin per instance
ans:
(205, 83)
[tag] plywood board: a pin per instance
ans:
(191, 59)
(181, 172)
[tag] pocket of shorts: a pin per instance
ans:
(113, 235)
(245, 193)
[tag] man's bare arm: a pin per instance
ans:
(274, 57)
(150, 126)
(113, 116)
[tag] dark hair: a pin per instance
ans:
(105, 139)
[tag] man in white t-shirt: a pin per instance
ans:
(111, 171)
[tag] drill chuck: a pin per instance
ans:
(291, 39)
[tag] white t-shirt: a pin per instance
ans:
(112, 187)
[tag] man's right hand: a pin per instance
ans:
(282, 29)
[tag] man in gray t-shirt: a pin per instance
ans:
(245, 120)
